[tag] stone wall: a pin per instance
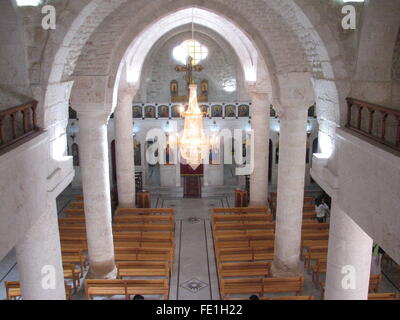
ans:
(220, 67)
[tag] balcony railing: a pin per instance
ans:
(375, 122)
(17, 123)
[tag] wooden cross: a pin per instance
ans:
(189, 69)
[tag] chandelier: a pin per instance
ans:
(194, 146)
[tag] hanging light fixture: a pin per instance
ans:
(194, 146)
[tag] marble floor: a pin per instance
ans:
(194, 274)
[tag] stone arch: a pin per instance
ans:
(300, 17)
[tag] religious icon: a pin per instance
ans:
(163, 112)
(244, 111)
(174, 88)
(204, 88)
(137, 112)
(137, 152)
(204, 110)
(217, 111)
(150, 112)
(230, 111)
(176, 112)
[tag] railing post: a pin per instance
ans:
(1, 131)
(371, 120)
(360, 108)
(25, 121)
(383, 125)
(34, 116)
(349, 106)
(14, 125)
(398, 132)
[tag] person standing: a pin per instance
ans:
(322, 210)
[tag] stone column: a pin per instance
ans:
(124, 152)
(349, 259)
(290, 198)
(260, 117)
(96, 192)
(39, 259)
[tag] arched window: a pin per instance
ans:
(190, 48)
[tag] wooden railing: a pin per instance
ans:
(371, 120)
(17, 123)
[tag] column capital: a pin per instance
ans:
(127, 91)
(94, 114)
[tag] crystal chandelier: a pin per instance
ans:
(194, 146)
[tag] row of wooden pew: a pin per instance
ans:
(144, 245)
(244, 249)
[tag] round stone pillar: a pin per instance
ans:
(260, 117)
(290, 198)
(124, 153)
(39, 259)
(96, 193)
(349, 259)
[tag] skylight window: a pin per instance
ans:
(190, 48)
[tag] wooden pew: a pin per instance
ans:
(143, 269)
(260, 286)
(243, 244)
(307, 244)
(74, 212)
(126, 288)
(144, 244)
(241, 210)
(74, 256)
(131, 218)
(384, 296)
(320, 235)
(78, 219)
(76, 205)
(144, 254)
(13, 290)
(244, 226)
(125, 227)
(229, 218)
(144, 211)
(315, 253)
(314, 226)
(375, 283)
(309, 215)
(316, 270)
(143, 236)
(249, 254)
(244, 269)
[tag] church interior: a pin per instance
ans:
(200, 150)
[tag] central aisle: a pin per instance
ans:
(194, 274)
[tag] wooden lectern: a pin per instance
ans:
(241, 198)
(143, 199)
